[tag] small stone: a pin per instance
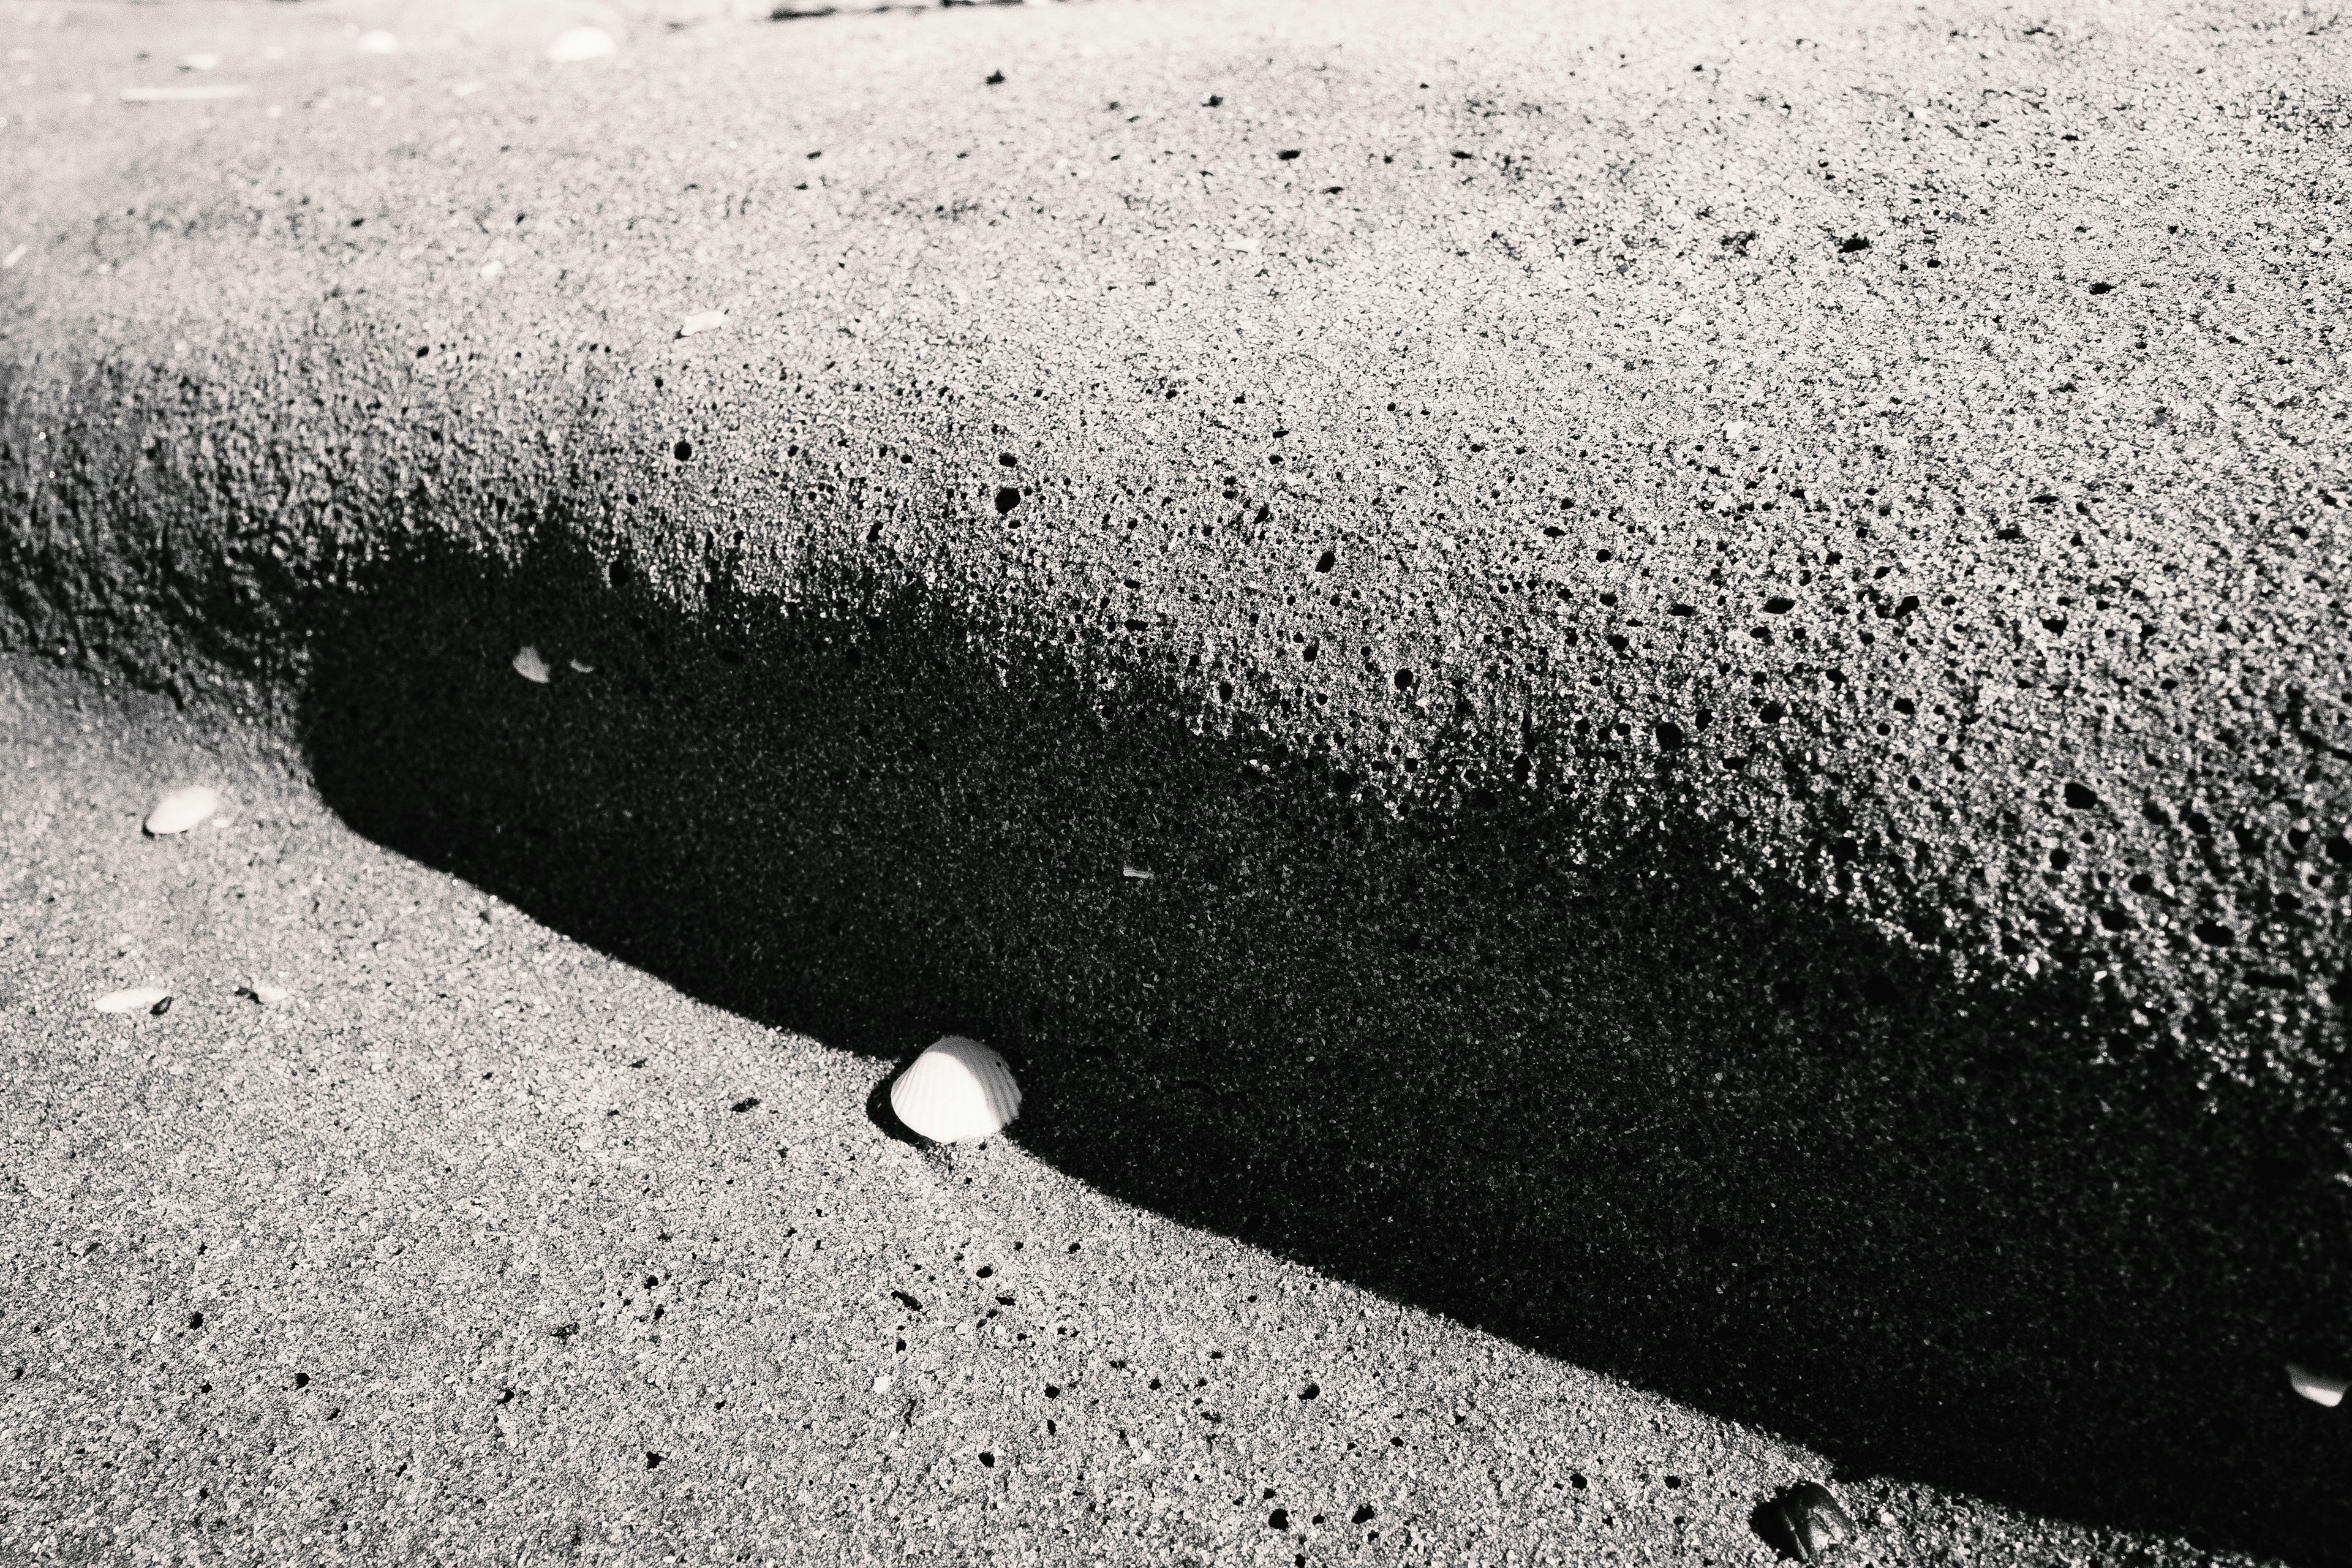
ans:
(138, 999)
(702, 321)
(577, 44)
(530, 666)
(581, 667)
(182, 809)
(265, 995)
(1136, 873)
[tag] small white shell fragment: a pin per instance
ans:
(530, 666)
(376, 41)
(13, 257)
(882, 1384)
(1242, 242)
(2318, 1388)
(580, 667)
(1136, 872)
(576, 44)
(957, 1090)
(199, 62)
(701, 321)
(182, 809)
(138, 999)
(493, 267)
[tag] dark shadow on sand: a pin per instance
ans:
(1734, 1148)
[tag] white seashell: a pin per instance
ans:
(1135, 873)
(957, 1090)
(576, 44)
(139, 999)
(182, 809)
(376, 41)
(701, 321)
(580, 668)
(530, 666)
(2318, 1388)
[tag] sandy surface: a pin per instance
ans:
(1759, 813)
(482, 1247)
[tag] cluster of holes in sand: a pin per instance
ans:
(1875, 608)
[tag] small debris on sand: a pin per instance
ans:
(530, 666)
(2319, 1387)
(581, 667)
(957, 1090)
(182, 809)
(138, 999)
(701, 321)
(376, 41)
(199, 62)
(577, 44)
(11, 260)
(266, 996)
(1136, 872)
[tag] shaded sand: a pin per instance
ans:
(433, 1260)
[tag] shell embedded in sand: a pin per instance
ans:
(2319, 1387)
(1814, 1520)
(958, 1090)
(138, 999)
(576, 44)
(182, 809)
(530, 666)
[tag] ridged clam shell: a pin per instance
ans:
(956, 1091)
(530, 666)
(2319, 1387)
(182, 809)
(138, 999)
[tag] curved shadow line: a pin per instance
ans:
(1569, 1083)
